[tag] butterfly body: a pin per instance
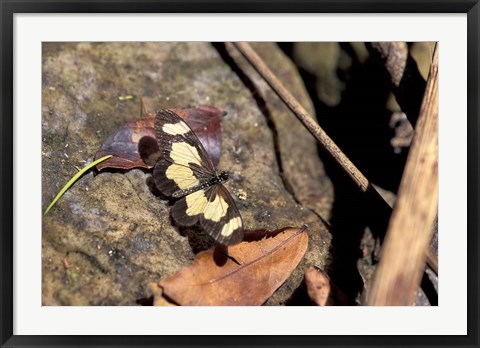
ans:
(185, 172)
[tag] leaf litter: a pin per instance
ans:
(247, 276)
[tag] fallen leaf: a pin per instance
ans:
(123, 145)
(318, 286)
(248, 276)
(158, 299)
(205, 120)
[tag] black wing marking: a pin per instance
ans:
(171, 129)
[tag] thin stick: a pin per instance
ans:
(325, 141)
(401, 266)
(383, 209)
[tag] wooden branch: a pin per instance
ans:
(401, 266)
(432, 261)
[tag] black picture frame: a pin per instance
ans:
(9, 7)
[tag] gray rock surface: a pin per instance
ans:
(109, 236)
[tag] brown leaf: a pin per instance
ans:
(158, 299)
(318, 286)
(247, 277)
(205, 120)
(123, 145)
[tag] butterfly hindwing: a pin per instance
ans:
(221, 217)
(187, 210)
(216, 211)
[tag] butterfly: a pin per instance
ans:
(185, 172)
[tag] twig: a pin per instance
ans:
(325, 141)
(380, 207)
(400, 269)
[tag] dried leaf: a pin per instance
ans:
(123, 144)
(318, 286)
(247, 277)
(205, 120)
(158, 299)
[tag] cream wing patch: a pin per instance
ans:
(183, 154)
(182, 176)
(196, 203)
(231, 226)
(216, 210)
(176, 128)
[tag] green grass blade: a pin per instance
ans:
(72, 181)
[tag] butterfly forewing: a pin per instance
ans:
(185, 171)
(184, 163)
(179, 143)
(171, 177)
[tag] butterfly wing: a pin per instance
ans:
(184, 163)
(215, 209)
(187, 210)
(221, 218)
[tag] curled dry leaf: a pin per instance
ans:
(123, 145)
(318, 286)
(205, 120)
(247, 277)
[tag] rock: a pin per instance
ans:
(110, 236)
